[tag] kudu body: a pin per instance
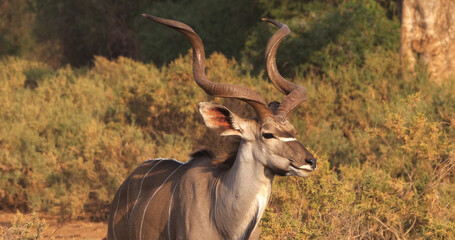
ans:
(167, 199)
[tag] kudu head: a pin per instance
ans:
(272, 138)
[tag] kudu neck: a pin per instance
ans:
(247, 166)
(243, 192)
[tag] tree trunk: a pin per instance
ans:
(428, 35)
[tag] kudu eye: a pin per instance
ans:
(268, 135)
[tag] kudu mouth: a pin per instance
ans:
(300, 159)
(307, 168)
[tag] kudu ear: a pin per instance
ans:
(220, 119)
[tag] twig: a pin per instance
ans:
(391, 229)
(412, 225)
(60, 225)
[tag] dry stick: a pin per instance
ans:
(447, 170)
(412, 225)
(366, 232)
(410, 175)
(379, 235)
(406, 170)
(436, 168)
(58, 227)
(391, 229)
(444, 173)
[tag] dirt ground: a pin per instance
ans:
(68, 230)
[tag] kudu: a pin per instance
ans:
(167, 199)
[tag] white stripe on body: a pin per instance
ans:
(115, 212)
(142, 181)
(146, 206)
(128, 190)
(128, 200)
(169, 218)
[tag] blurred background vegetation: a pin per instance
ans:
(89, 89)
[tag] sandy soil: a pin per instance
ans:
(67, 230)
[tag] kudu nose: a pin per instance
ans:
(312, 162)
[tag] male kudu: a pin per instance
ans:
(167, 199)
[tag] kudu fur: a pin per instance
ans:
(167, 199)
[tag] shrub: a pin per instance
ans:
(384, 143)
(25, 227)
(56, 146)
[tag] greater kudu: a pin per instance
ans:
(167, 199)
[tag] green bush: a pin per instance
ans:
(325, 34)
(16, 28)
(80, 30)
(222, 25)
